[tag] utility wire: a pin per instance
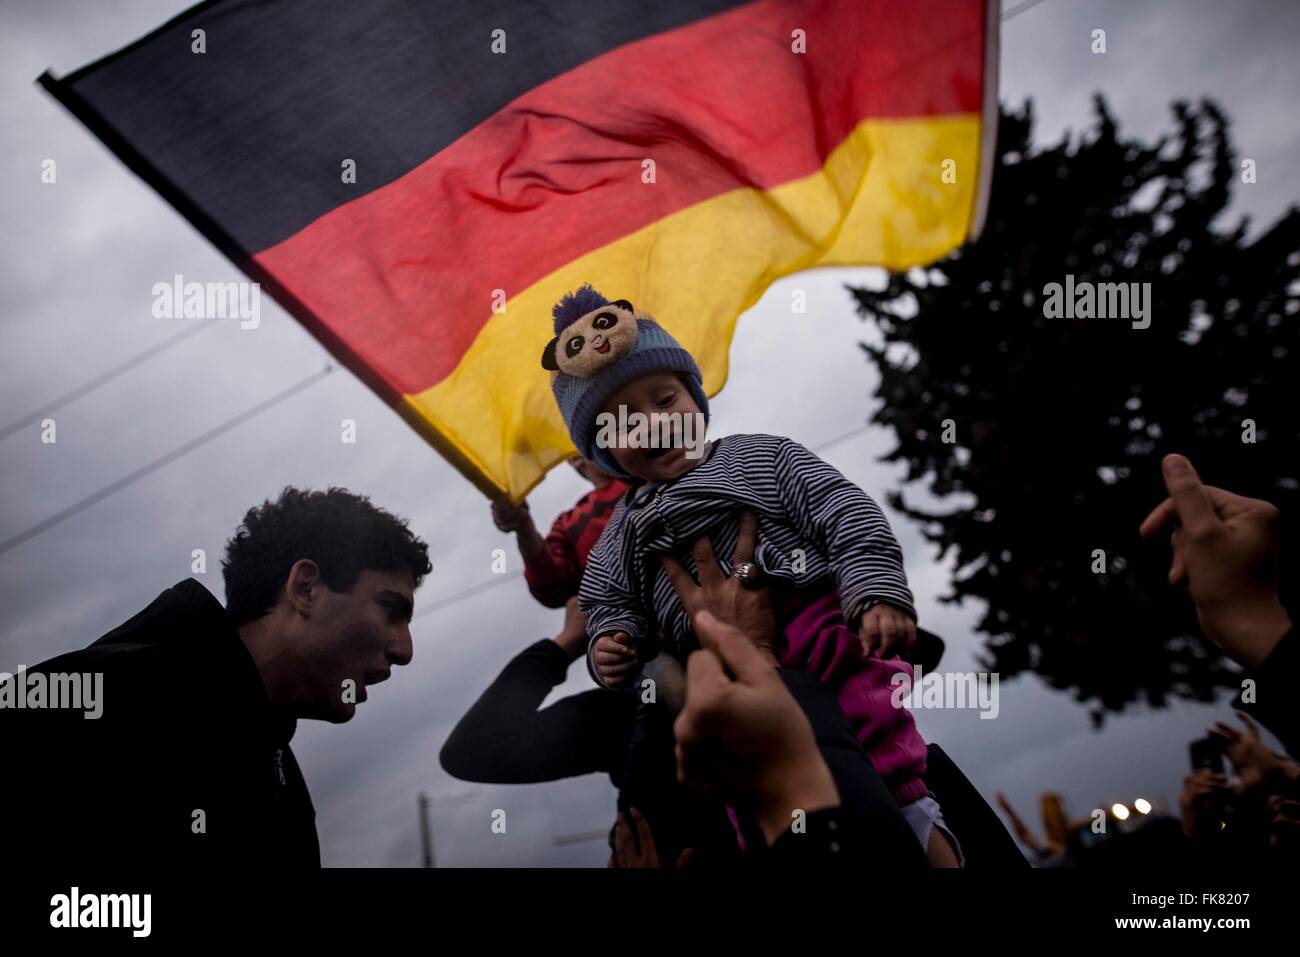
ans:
(103, 378)
(158, 463)
(467, 593)
(1019, 8)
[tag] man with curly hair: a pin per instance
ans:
(185, 757)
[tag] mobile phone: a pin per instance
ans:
(1207, 753)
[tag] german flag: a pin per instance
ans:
(418, 183)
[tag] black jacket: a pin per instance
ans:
(187, 764)
(1274, 684)
(505, 739)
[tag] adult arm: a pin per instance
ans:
(505, 739)
(1225, 550)
(1273, 691)
(551, 567)
(838, 821)
(743, 735)
(865, 802)
(553, 571)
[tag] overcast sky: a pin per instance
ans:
(80, 259)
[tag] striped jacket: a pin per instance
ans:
(812, 522)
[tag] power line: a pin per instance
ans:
(853, 434)
(103, 378)
(467, 593)
(103, 493)
(1019, 8)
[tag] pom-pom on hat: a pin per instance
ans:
(599, 347)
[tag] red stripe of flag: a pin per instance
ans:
(405, 274)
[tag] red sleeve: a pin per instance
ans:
(553, 574)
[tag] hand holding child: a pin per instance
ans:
(614, 658)
(724, 596)
(572, 638)
(885, 631)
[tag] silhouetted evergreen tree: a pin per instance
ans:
(1060, 424)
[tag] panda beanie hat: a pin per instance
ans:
(599, 347)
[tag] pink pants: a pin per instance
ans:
(817, 639)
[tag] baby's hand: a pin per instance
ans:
(614, 658)
(885, 631)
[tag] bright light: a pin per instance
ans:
(1143, 805)
(1120, 811)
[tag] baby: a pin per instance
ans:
(823, 543)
